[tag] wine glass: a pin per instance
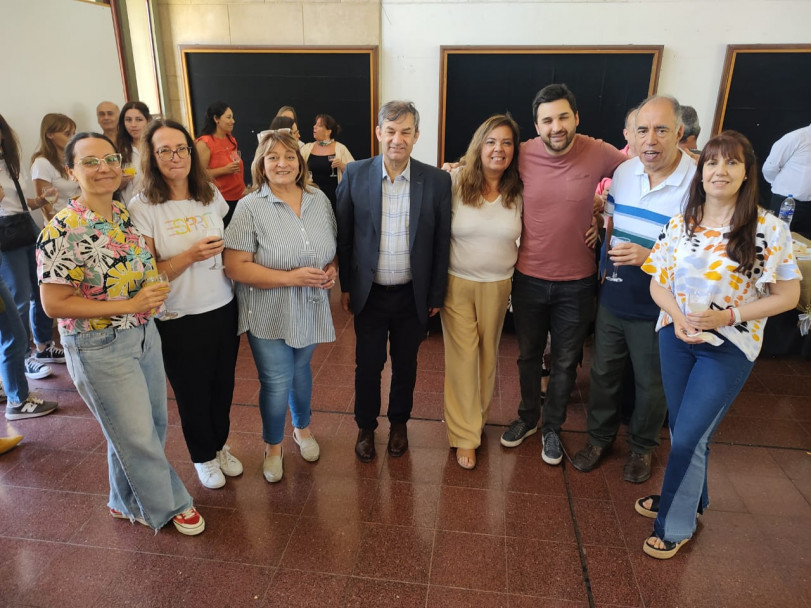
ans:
(331, 158)
(50, 194)
(236, 155)
(315, 295)
(615, 241)
(215, 231)
(156, 277)
(698, 301)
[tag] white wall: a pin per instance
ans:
(694, 32)
(58, 56)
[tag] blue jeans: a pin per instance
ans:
(285, 377)
(19, 271)
(13, 349)
(701, 381)
(564, 309)
(119, 374)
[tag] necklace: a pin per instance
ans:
(325, 143)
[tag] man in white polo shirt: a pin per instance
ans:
(646, 192)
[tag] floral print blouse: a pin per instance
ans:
(103, 260)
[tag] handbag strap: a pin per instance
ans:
(20, 194)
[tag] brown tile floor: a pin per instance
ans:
(414, 531)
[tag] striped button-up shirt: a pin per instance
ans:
(394, 262)
(279, 239)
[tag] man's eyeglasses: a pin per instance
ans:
(167, 154)
(93, 162)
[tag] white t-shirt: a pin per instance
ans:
(484, 240)
(10, 204)
(175, 226)
(44, 170)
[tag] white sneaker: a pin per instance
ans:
(210, 474)
(310, 451)
(229, 465)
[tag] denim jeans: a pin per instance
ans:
(119, 374)
(13, 349)
(285, 377)
(701, 381)
(564, 309)
(19, 271)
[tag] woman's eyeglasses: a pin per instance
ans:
(167, 154)
(93, 162)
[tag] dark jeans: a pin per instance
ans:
(389, 317)
(802, 214)
(615, 340)
(564, 309)
(200, 356)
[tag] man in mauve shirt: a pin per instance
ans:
(556, 275)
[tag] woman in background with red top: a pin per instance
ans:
(219, 154)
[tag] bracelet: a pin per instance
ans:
(175, 272)
(737, 314)
(731, 317)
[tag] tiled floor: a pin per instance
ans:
(414, 531)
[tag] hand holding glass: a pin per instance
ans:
(214, 231)
(698, 301)
(155, 277)
(315, 295)
(615, 241)
(331, 159)
(50, 194)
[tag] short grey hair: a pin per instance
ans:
(689, 118)
(669, 98)
(394, 110)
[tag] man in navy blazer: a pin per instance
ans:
(394, 219)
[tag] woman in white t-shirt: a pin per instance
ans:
(132, 123)
(179, 212)
(485, 227)
(48, 162)
(718, 271)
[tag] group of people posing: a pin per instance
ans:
(512, 222)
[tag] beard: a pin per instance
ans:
(558, 146)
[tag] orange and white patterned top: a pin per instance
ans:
(700, 264)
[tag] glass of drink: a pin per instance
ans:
(615, 241)
(314, 295)
(215, 232)
(331, 159)
(155, 277)
(698, 301)
(50, 194)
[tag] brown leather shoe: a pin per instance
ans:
(637, 467)
(587, 459)
(398, 440)
(365, 446)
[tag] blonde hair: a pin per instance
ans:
(53, 123)
(267, 143)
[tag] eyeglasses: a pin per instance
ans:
(167, 154)
(93, 162)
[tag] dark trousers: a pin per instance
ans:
(389, 317)
(615, 341)
(564, 309)
(200, 356)
(802, 214)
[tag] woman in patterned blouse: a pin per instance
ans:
(92, 265)
(718, 272)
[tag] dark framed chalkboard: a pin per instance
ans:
(257, 81)
(476, 82)
(765, 92)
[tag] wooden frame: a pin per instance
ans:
(655, 52)
(372, 51)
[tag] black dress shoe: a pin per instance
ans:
(398, 440)
(365, 446)
(637, 467)
(588, 458)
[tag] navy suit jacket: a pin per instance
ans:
(359, 209)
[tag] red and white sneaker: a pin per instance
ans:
(119, 515)
(190, 522)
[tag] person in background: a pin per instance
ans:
(788, 170)
(93, 265)
(179, 213)
(280, 250)
(107, 115)
(48, 163)
(219, 153)
(326, 157)
(290, 112)
(18, 267)
(485, 227)
(692, 128)
(718, 271)
(282, 123)
(132, 124)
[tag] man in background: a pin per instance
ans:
(107, 115)
(788, 170)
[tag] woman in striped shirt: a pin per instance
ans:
(280, 249)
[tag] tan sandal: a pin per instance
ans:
(466, 458)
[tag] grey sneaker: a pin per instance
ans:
(552, 452)
(34, 370)
(516, 433)
(32, 407)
